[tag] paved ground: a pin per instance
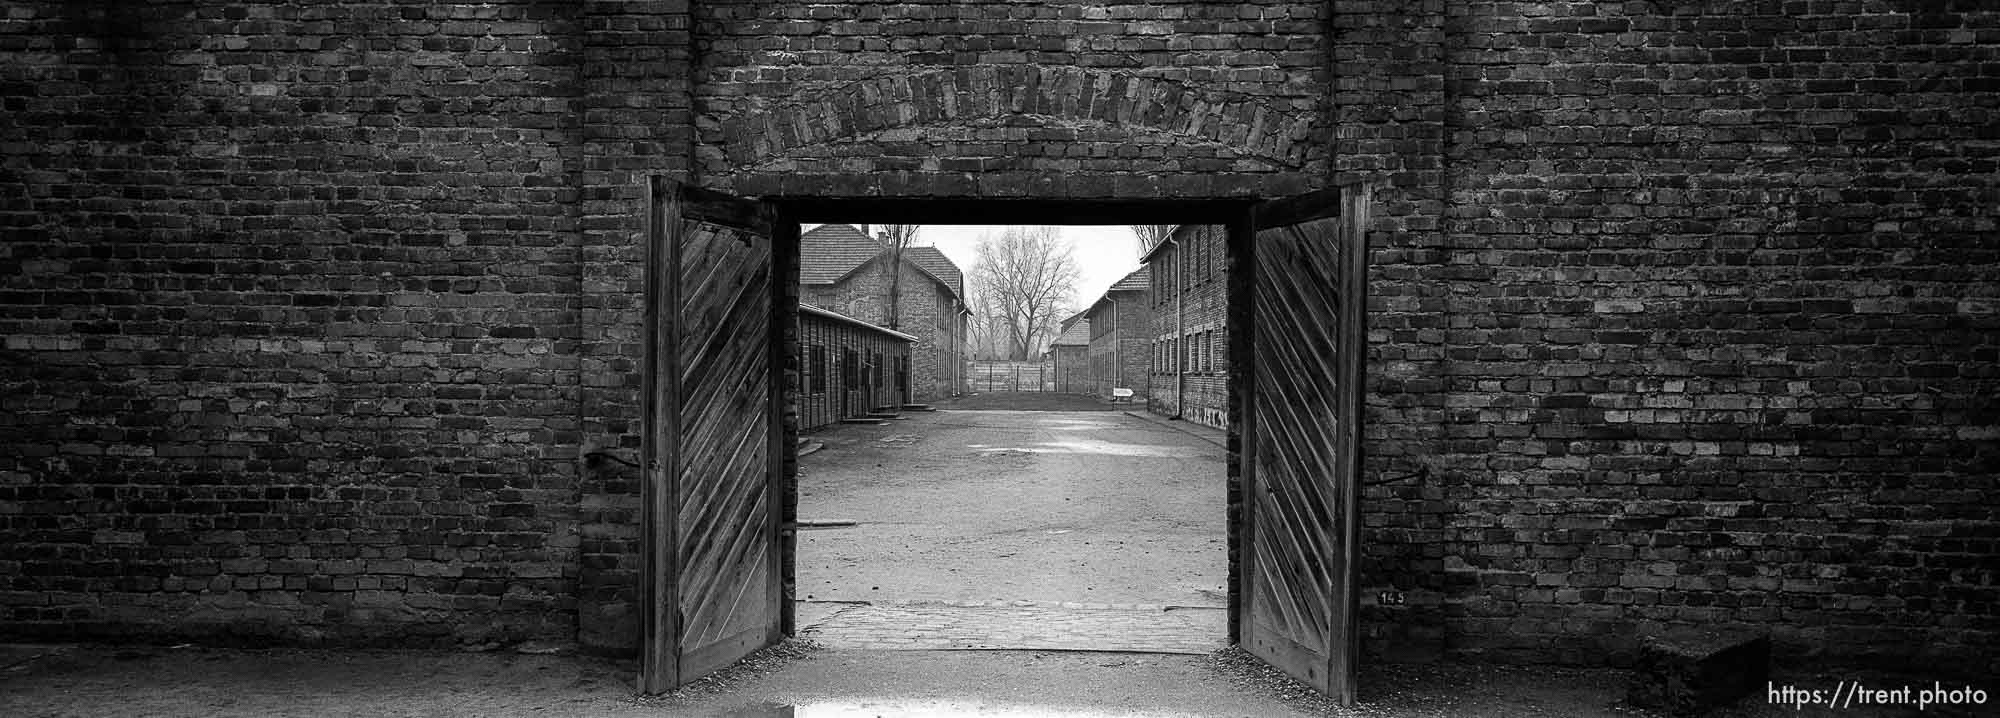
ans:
(102, 681)
(1010, 528)
(1032, 401)
(1044, 625)
(96, 681)
(1041, 506)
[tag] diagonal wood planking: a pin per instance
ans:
(716, 420)
(725, 515)
(1301, 443)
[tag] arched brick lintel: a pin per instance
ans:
(1026, 95)
(865, 152)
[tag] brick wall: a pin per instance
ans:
(924, 310)
(1134, 357)
(291, 321)
(1071, 365)
(1119, 355)
(947, 354)
(1691, 307)
(635, 118)
(1188, 376)
(1055, 99)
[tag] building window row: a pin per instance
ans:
(1197, 250)
(1202, 352)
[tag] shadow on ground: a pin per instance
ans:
(1032, 401)
(799, 679)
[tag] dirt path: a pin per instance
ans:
(1079, 506)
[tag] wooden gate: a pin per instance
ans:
(713, 590)
(1300, 529)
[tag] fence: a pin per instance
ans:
(983, 376)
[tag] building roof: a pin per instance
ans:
(1172, 238)
(1148, 247)
(844, 319)
(933, 261)
(829, 252)
(1078, 334)
(1139, 280)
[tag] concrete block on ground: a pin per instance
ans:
(1688, 673)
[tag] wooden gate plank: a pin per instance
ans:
(1301, 437)
(711, 529)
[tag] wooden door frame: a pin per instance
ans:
(1232, 213)
(1350, 204)
(660, 641)
(1228, 211)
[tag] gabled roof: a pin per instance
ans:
(1172, 238)
(1148, 247)
(830, 252)
(1078, 334)
(939, 266)
(1139, 280)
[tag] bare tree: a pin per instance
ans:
(1151, 235)
(1027, 277)
(898, 237)
(984, 331)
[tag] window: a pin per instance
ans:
(816, 369)
(1198, 246)
(1207, 253)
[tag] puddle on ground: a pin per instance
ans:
(903, 709)
(1091, 446)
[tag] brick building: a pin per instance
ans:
(843, 271)
(1069, 357)
(1190, 371)
(319, 317)
(847, 367)
(1121, 336)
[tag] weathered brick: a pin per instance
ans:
(1637, 268)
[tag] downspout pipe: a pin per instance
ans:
(1117, 350)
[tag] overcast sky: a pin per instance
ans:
(1104, 253)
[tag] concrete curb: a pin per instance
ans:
(1222, 442)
